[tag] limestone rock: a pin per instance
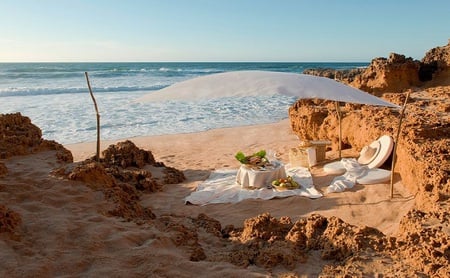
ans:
(122, 175)
(440, 56)
(392, 74)
(396, 73)
(18, 136)
(436, 65)
(345, 76)
(126, 154)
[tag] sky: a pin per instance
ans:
(220, 30)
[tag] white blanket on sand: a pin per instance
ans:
(221, 187)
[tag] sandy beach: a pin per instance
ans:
(198, 154)
(64, 231)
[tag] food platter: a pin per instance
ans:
(255, 160)
(287, 183)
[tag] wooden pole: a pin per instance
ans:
(97, 155)
(338, 109)
(394, 156)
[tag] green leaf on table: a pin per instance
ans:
(240, 156)
(261, 153)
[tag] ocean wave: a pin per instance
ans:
(40, 75)
(164, 69)
(56, 91)
(59, 73)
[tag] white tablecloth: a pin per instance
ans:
(258, 178)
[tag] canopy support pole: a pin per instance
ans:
(394, 156)
(339, 115)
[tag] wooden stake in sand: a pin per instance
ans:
(97, 155)
(338, 109)
(394, 157)
(339, 115)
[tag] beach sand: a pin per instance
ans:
(197, 154)
(65, 232)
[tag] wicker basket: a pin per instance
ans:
(308, 153)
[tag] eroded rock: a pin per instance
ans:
(20, 137)
(392, 74)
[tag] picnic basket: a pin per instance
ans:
(298, 157)
(308, 153)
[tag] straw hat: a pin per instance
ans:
(375, 154)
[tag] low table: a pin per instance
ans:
(254, 178)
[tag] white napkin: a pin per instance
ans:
(347, 180)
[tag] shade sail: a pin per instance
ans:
(261, 83)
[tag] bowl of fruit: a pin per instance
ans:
(287, 183)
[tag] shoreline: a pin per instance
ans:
(84, 150)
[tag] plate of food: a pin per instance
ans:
(257, 160)
(287, 183)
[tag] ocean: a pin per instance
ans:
(56, 98)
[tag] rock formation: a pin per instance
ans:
(422, 150)
(393, 74)
(436, 65)
(21, 137)
(122, 174)
(346, 76)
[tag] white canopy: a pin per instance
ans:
(258, 83)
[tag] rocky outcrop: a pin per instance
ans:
(396, 73)
(18, 136)
(268, 242)
(345, 76)
(423, 160)
(393, 74)
(122, 174)
(126, 154)
(423, 164)
(436, 65)
(126, 162)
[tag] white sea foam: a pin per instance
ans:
(70, 118)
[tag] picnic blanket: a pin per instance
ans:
(221, 187)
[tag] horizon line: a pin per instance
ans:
(17, 62)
